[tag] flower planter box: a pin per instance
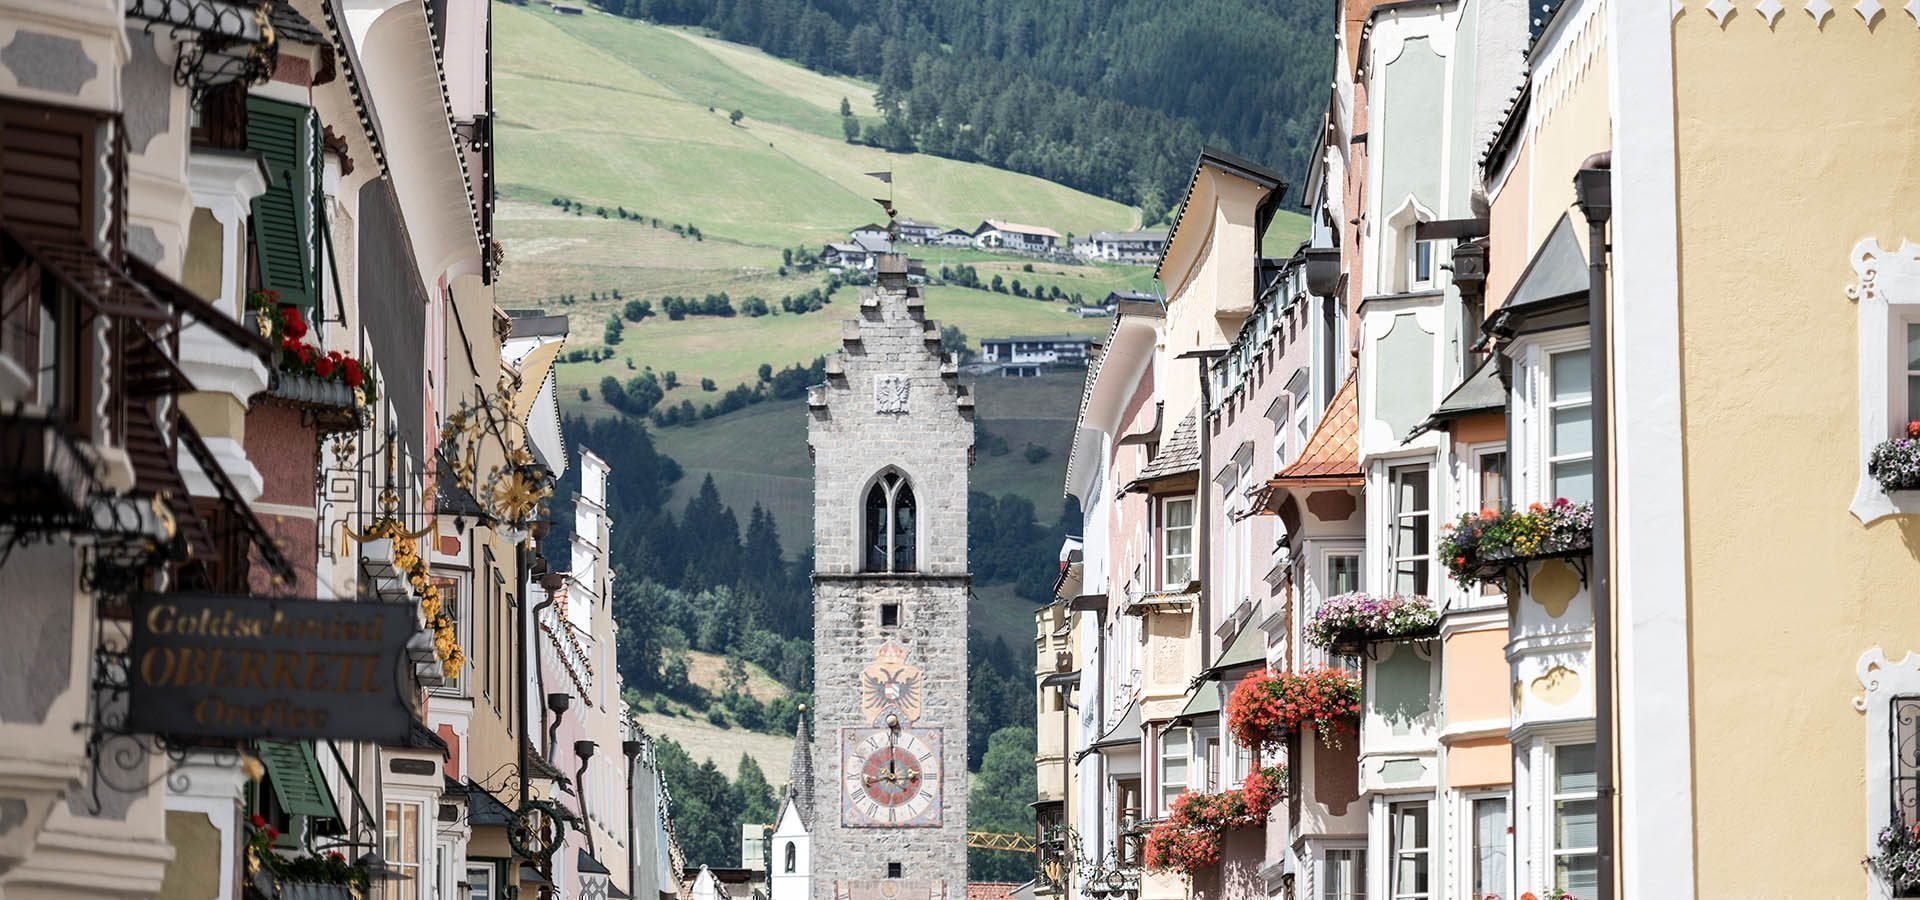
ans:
(1346, 623)
(1484, 547)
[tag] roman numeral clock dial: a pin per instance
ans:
(890, 777)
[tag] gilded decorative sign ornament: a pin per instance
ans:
(890, 393)
(891, 684)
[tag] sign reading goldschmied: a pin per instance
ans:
(230, 666)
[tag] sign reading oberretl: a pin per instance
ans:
(234, 666)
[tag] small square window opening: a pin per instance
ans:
(889, 615)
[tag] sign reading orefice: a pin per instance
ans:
(212, 665)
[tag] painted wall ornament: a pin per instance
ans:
(891, 684)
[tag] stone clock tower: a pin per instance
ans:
(891, 433)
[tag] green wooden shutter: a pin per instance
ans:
(296, 778)
(284, 232)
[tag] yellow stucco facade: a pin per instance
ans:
(1792, 144)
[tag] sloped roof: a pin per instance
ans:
(990, 890)
(1204, 701)
(800, 771)
(1179, 454)
(1017, 228)
(1332, 454)
(1124, 732)
(1480, 392)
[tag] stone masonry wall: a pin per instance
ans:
(861, 426)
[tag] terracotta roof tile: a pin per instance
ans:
(1332, 454)
(990, 890)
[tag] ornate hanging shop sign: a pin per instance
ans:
(231, 666)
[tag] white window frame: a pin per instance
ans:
(1163, 531)
(1318, 555)
(1470, 839)
(1395, 558)
(1887, 292)
(1881, 682)
(410, 889)
(1168, 788)
(1549, 407)
(481, 878)
(1530, 475)
(1423, 853)
(1554, 798)
(1354, 854)
(1494, 592)
(1418, 280)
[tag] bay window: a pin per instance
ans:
(1569, 416)
(1575, 836)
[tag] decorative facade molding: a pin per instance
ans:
(1884, 280)
(1872, 13)
(1881, 681)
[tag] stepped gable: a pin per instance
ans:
(892, 332)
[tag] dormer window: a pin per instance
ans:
(890, 525)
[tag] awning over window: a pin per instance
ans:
(295, 774)
(1480, 392)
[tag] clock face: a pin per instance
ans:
(890, 778)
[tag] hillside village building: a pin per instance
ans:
(1137, 247)
(1027, 357)
(1483, 338)
(994, 234)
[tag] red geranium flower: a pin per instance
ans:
(353, 375)
(323, 367)
(295, 323)
(1913, 429)
(258, 820)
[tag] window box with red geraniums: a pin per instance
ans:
(286, 328)
(1480, 546)
(332, 867)
(1191, 837)
(1267, 706)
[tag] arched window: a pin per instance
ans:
(790, 857)
(891, 532)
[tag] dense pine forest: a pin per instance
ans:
(1113, 97)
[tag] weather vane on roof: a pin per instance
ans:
(893, 223)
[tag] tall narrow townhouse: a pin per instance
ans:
(1118, 414)
(1433, 765)
(1201, 597)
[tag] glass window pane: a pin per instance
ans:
(1576, 824)
(1571, 374)
(1410, 490)
(1578, 875)
(1343, 574)
(1573, 768)
(1493, 480)
(1179, 513)
(1490, 847)
(1573, 480)
(1913, 402)
(1572, 431)
(1913, 346)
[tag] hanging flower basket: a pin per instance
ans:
(1896, 463)
(1479, 547)
(1194, 831)
(1350, 620)
(1267, 706)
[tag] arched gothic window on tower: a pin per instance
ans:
(891, 532)
(789, 869)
